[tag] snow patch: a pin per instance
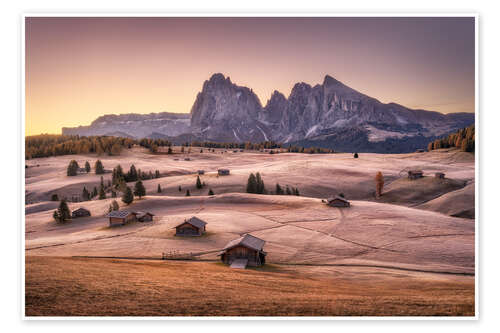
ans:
(263, 133)
(376, 135)
(312, 130)
(236, 135)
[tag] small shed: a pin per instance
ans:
(414, 174)
(80, 212)
(246, 250)
(201, 172)
(223, 172)
(338, 201)
(439, 175)
(144, 216)
(192, 227)
(121, 217)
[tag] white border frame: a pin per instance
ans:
(246, 14)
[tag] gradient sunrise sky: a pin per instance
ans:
(80, 68)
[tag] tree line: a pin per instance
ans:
(46, 145)
(463, 139)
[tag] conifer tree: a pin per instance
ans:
(139, 189)
(72, 168)
(87, 166)
(260, 188)
(180, 188)
(188, 194)
(114, 205)
(85, 194)
(198, 183)
(113, 194)
(62, 213)
(159, 189)
(210, 192)
(252, 184)
(102, 193)
(128, 196)
(132, 174)
(98, 167)
(296, 192)
(157, 174)
(94, 192)
(279, 190)
(288, 191)
(356, 155)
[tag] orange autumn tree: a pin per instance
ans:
(379, 182)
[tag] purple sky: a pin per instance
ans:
(80, 68)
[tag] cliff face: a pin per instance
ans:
(326, 113)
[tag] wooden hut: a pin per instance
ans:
(338, 201)
(439, 175)
(144, 216)
(244, 251)
(223, 172)
(414, 174)
(192, 227)
(80, 212)
(121, 217)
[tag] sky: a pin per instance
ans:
(78, 69)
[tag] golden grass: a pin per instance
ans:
(64, 286)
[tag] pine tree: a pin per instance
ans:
(98, 167)
(356, 155)
(252, 184)
(113, 194)
(128, 196)
(210, 192)
(169, 150)
(87, 166)
(288, 191)
(379, 183)
(102, 194)
(72, 168)
(198, 183)
(157, 174)
(180, 188)
(102, 181)
(132, 174)
(63, 212)
(188, 194)
(94, 192)
(115, 205)
(159, 189)
(296, 192)
(260, 188)
(139, 189)
(85, 194)
(279, 190)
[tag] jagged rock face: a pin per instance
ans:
(224, 111)
(134, 125)
(327, 113)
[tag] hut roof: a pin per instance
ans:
(142, 214)
(193, 221)
(81, 209)
(247, 240)
(338, 197)
(119, 213)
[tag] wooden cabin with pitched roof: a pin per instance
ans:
(338, 201)
(244, 251)
(121, 217)
(192, 227)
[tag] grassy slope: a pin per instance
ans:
(106, 287)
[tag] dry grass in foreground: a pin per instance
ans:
(64, 286)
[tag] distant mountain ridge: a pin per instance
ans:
(330, 115)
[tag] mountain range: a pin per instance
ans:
(330, 115)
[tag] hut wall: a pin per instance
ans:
(116, 220)
(187, 230)
(241, 252)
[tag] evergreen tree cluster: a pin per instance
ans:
(62, 213)
(46, 145)
(255, 184)
(72, 168)
(463, 139)
(310, 150)
(288, 190)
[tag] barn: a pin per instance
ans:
(244, 251)
(192, 227)
(223, 172)
(414, 174)
(338, 201)
(121, 217)
(144, 216)
(80, 212)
